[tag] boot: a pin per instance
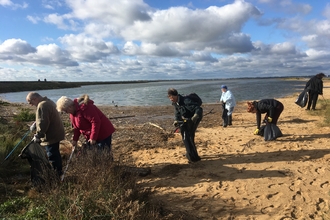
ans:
(225, 122)
(230, 120)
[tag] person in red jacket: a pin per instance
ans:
(87, 119)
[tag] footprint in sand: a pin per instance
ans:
(322, 206)
(298, 197)
(267, 209)
(320, 170)
(325, 184)
(273, 196)
(295, 183)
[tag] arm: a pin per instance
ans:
(42, 119)
(258, 116)
(91, 115)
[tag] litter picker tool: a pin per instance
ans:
(26, 134)
(67, 164)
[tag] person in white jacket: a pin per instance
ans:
(228, 102)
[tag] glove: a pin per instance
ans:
(256, 131)
(176, 123)
(36, 139)
(195, 118)
(33, 126)
(269, 119)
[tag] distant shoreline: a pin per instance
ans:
(21, 86)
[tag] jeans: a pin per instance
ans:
(54, 157)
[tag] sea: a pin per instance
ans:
(154, 93)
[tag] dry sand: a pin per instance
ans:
(240, 176)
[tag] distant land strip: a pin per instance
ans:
(20, 86)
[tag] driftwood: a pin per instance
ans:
(157, 126)
(125, 116)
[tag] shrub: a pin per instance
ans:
(24, 115)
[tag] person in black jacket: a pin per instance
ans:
(188, 115)
(271, 107)
(315, 88)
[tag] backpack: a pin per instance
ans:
(195, 98)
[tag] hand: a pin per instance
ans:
(269, 119)
(33, 126)
(74, 143)
(176, 124)
(256, 131)
(36, 139)
(92, 142)
(195, 118)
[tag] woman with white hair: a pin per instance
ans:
(88, 120)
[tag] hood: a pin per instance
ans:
(83, 102)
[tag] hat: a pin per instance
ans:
(223, 87)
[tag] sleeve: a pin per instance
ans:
(221, 98)
(258, 116)
(42, 119)
(91, 115)
(321, 88)
(308, 83)
(76, 131)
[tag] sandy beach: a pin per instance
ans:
(240, 176)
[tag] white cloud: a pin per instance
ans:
(16, 47)
(88, 49)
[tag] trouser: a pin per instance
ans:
(279, 109)
(227, 116)
(312, 99)
(54, 157)
(105, 144)
(188, 130)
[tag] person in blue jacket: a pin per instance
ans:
(228, 101)
(271, 107)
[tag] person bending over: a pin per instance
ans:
(87, 119)
(188, 115)
(271, 107)
(49, 128)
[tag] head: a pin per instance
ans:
(251, 107)
(64, 104)
(33, 98)
(172, 94)
(320, 75)
(224, 88)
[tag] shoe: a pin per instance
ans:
(313, 109)
(307, 109)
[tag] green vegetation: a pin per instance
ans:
(95, 187)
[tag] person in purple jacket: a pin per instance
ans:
(271, 107)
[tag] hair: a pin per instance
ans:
(251, 107)
(224, 87)
(320, 75)
(172, 91)
(33, 95)
(63, 103)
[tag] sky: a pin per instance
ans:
(127, 40)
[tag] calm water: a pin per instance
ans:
(155, 93)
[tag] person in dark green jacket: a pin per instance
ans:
(188, 114)
(271, 107)
(314, 86)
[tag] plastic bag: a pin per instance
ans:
(302, 98)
